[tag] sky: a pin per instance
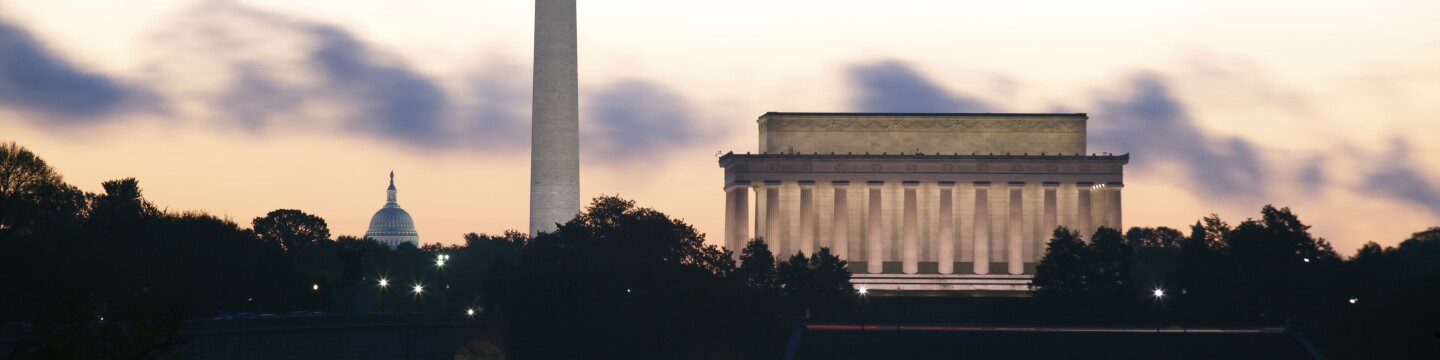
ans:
(238, 108)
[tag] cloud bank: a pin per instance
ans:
(34, 79)
(894, 86)
(1147, 120)
(226, 66)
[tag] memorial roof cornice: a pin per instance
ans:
(862, 114)
(913, 156)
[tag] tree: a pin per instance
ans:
(1420, 253)
(1109, 275)
(1157, 255)
(291, 229)
(33, 194)
(631, 282)
(757, 267)
(794, 275)
(1061, 274)
(1281, 266)
(121, 209)
(831, 274)
(1158, 237)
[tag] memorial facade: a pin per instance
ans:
(921, 201)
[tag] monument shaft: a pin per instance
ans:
(555, 118)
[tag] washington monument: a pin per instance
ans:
(555, 118)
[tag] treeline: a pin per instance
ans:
(1265, 271)
(66, 253)
(628, 282)
(617, 280)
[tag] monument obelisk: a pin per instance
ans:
(555, 118)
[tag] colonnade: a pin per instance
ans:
(737, 220)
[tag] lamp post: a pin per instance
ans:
(383, 284)
(418, 290)
(863, 307)
(1159, 297)
(444, 291)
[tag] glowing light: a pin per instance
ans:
(419, 288)
(315, 287)
(864, 291)
(384, 282)
(1307, 260)
(470, 312)
(1353, 300)
(1159, 292)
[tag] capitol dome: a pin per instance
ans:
(392, 225)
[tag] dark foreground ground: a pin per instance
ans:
(984, 342)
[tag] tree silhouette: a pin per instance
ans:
(630, 282)
(757, 267)
(291, 229)
(1157, 256)
(1062, 273)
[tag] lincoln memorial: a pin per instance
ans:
(918, 201)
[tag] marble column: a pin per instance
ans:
(910, 242)
(772, 219)
(947, 228)
(1049, 219)
(807, 218)
(730, 219)
(1016, 232)
(1082, 213)
(875, 232)
(737, 216)
(840, 235)
(760, 229)
(1113, 190)
(982, 227)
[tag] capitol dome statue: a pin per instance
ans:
(392, 225)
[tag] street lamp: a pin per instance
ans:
(1159, 295)
(418, 289)
(1353, 300)
(863, 292)
(445, 292)
(470, 312)
(315, 287)
(383, 284)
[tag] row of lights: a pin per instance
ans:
(1158, 293)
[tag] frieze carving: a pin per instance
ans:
(1049, 125)
(909, 167)
(982, 168)
(1050, 168)
(772, 167)
(1085, 168)
(807, 167)
(875, 167)
(947, 168)
(841, 167)
(1017, 168)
